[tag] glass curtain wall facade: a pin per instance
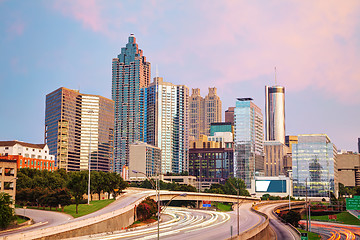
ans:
(168, 123)
(63, 127)
(130, 77)
(275, 114)
(70, 119)
(314, 161)
(248, 140)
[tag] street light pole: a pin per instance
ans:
(238, 206)
(89, 161)
(157, 189)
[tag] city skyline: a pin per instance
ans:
(318, 97)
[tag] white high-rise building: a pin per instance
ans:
(167, 125)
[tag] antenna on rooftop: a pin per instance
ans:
(275, 77)
(157, 71)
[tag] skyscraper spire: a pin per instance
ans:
(275, 78)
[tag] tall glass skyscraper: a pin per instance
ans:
(130, 77)
(71, 120)
(248, 140)
(168, 123)
(314, 162)
(275, 114)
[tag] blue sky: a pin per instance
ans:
(232, 45)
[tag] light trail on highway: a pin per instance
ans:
(335, 231)
(183, 221)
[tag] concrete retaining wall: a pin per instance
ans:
(260, 232)
(108, 222)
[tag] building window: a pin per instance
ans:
(6, 148)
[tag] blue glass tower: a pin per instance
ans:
(248, 140)
(130, 77)
(314, 166)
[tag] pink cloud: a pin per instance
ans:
(16, 29)
(88, 12)
(299, 37)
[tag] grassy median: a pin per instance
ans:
(311, 235)
(343, 217)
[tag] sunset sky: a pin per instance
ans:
(231, 45)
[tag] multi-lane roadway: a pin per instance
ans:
(186, 223)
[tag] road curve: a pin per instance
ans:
(282, 231)
(190, 224)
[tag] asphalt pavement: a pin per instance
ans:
(282, 231)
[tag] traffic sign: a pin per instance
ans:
(206, 203)
(352, 203)
(304, 236)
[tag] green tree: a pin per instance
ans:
(98, 182)
(78, 184)
(63, 197)
(6, 212)
(292, 217)
(233, 184)
(114, 184)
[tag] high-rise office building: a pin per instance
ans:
(275, 114)
(248, 140)
(203, 112)
(358, 145)
(229, 115)
(210, 161)
(72, 121)
(168, 123)
(130, 77)
(348, 165)
(212, 111)
(196, 114)
(275, 154)
(314, 166)
(143, 158)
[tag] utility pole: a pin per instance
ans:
(306, 206)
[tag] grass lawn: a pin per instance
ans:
(311, 235)
(343, 217)
(223, 207)
(83, 209)
(20, 220)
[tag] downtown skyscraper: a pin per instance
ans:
(130, 78)
(248, 140)
(77, 123)
(167, 126)
(203, 112)
(275, 114)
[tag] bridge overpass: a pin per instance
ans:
(120, 214)
(195, 196)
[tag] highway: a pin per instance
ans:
(44, 219)
(334, 231)
(282, 231)
(194, 224)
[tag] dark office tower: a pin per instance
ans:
(130, 77)
(76, 124)
(358, 145)
(275, 114)
(229, 115)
